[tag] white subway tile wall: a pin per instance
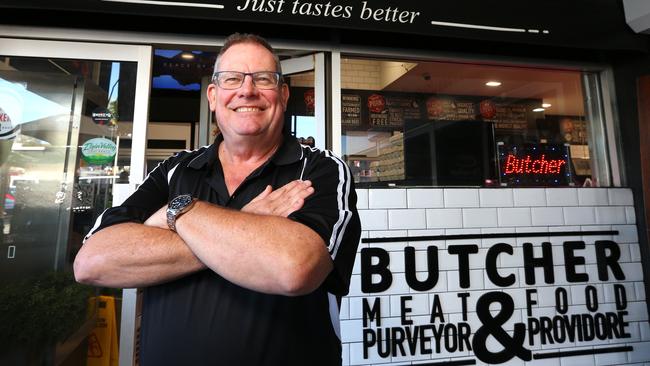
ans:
(387, 198)
(431, 301)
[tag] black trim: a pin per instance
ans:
(446, 363)
(166, 144)
(539, 356)
(488, 236)
(557, 23)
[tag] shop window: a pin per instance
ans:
(464, 124)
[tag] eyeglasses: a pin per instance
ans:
(230, 80)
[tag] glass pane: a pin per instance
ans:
(61, 125)
(300, 111)
(461, 124)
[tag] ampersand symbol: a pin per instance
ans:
(492, 325)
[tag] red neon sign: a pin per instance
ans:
(528, 165)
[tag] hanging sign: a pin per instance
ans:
(102, 116)
(98, 151)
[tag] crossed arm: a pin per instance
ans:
(258, 247)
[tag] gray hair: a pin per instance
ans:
(239, 38)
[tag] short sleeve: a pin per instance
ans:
(150, 196)
(331, 212)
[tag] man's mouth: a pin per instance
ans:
(248, 109)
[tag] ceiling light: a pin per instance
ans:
(187, 56)
(539, 110)
(493, 83)
(546, 105)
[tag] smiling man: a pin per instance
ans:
(244, 247)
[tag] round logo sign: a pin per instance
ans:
(103, 116)
(435, 107)
(98, 151)
(309, 98)
(376, 103)
(7, 129)
(488, 109)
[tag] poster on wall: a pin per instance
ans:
(350, 109)
(571, 129)
(507, 116)
(391, 110)
(443, 108)
(378, 113)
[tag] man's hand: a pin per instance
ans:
(282, 201)
(158, 219)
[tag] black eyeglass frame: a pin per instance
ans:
(280, 78)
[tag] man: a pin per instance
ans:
(249, 268)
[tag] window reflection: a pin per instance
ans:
(60, 127)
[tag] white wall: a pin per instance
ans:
(418, 212)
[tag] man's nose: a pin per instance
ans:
(248, 86)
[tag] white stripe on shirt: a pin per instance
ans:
(97, 223)
(344, 210)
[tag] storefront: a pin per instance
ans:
(496, 149)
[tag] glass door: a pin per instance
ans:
(64, 107)
(306, 110)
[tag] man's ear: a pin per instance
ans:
(211, 94)
(285, 95)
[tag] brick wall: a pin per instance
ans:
(360, 74)
(413, 213)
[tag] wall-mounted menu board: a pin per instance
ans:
(450, 108)
(387, 110)
(507, 115)
(350, 109)
(390, 110)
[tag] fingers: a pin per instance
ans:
(294, 197)
(291, 189)
(282, 201)
(265, 193)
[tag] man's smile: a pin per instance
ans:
(248, 109)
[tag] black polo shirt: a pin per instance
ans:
(203, 319)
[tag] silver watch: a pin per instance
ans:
(178, 206)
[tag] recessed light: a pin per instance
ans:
(546, 105)
(538, 110)
(493, 83)
(187, 56)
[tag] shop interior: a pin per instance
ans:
(416, 123)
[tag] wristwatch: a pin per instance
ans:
(178, 206)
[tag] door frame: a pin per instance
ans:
(141, 54)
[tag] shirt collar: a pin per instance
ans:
(289, 152)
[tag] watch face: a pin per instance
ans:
(180, 202)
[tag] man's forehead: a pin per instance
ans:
(247, 54)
